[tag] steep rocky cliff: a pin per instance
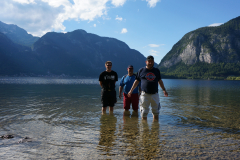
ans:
(207, 45)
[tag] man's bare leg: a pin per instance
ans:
(144, 118)
(110, 110)
(155, 118)
(135, 113)
(104, 110)
(126, 112)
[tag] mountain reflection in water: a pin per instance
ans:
(199, 120)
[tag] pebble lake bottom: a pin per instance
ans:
(199, 120)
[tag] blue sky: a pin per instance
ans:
(150, 26)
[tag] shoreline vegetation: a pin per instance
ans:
(215, 71)
(167, 76)
(233, 78)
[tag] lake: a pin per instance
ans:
(199, 120)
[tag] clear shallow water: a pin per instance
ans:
(199, 119)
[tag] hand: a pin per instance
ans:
(129, 94)
(165, 93)
(120, 96)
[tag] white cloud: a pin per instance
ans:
(152, 3)
(153, 52)
(41, 16)
(118, 3)
(24, 1)
(94, 25)
(37, 19)
(215, 24)
(153, 45)
(124, 30)
(57, 3)
(119, 18)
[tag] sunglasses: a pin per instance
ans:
(109, 65)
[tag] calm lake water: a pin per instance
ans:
(199, 120)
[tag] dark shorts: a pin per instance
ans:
(108, 98)
(134, 99)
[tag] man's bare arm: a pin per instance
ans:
(100, 82)
(160, 82)
(135, 84)
(120, 91)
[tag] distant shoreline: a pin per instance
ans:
(84, 77)
(48, 76)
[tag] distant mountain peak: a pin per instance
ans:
(81, 31)
(17, 34)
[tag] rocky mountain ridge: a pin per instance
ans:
(208, 45)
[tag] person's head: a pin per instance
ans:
(130, 70)
(150, 62)
(108, 66)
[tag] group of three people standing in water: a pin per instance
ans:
(141, 89)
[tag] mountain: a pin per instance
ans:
(17, 59)
(17, 34)
(205, 52)
(76, 53)
(82, 53)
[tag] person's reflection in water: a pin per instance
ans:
(150, 140)
(131, 133)
(107, 134)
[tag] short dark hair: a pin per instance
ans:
(108, 62)
(150, 58)
(130, 66)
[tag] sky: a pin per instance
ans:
(151, 27)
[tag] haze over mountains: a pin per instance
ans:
(17, 34)
(76, 53)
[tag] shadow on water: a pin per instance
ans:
(134, 138)
(107, 134)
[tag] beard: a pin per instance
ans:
(150, 66)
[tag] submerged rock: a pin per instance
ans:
(25, 139)
(7, 136)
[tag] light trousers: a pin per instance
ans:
(144, 102)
